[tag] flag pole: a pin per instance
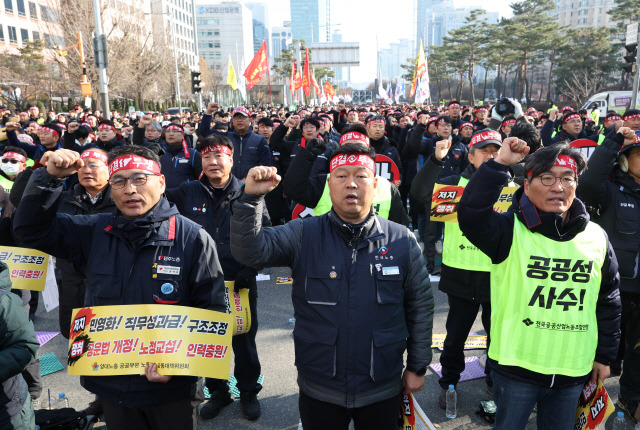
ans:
(268, 72)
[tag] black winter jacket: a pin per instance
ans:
(493, 234)
(116, 254)
(356, 307)
(615, 199)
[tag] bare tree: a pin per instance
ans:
(582, 83)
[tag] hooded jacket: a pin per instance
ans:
(18, 347)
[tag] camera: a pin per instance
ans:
(504, 107)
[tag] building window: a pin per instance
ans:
(24, 34)
(33, 10)
(36, 35)
(21, 10)
(1, 33)
(8, 6)
(13, 35)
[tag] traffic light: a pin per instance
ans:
(195, 82)
(630, 58)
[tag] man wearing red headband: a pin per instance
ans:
(465, 270)
(49, 137)
(555, 304)
(12, 162)
(107, 136)
(207, 202)
(571, 128)
(613, 190)
(180, 163)
(361, 296)
(454, 109)
(143, 231)
(631, 119)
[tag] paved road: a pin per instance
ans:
(279, 396)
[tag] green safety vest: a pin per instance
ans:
(458, 252)
(601, 138)
(543, 302)
(381, 199)
(6, 184)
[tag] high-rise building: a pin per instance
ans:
(311, 20)
(436, 18)
(280, 39)
(22, 20)
(173, 21)
(224, 29)
(261, 30)
(582, 13)
(392, 58)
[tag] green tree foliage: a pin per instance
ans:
(23, 75)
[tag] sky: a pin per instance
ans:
(375, 21)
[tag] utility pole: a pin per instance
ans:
(101, 60)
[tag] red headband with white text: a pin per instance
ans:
(95, 154)
(216, 148)
(133, 162)
(360, 160)
(354, 135)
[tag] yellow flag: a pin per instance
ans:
(231, 75)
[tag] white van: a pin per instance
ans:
(618, 101)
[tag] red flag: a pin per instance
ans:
(292, 81)
(306, 77)
(298, 78)
(258, 66)
(328, 90)
(314, 83)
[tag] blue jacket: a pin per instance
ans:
(33, 151)
(249, 150)
(116, 255)
(177, 168)
(361, 296)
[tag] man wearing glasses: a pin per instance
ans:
(555, 304)
(117, 252)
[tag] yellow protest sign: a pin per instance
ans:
(445, 199)
(474, 341)
(122, 340)
(594, 406)
(238, 308)
(28, 267)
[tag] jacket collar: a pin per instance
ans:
(368, 231)
(549, 224)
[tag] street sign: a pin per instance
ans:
(632, 34)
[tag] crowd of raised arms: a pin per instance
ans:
(347, 197)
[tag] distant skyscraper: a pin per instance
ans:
(224, 28)
(261, 28)
(583, 13)
(174, 21)
(392, 58)
(436, 18)
(280, 39)
(311, 20)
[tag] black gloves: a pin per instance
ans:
(316, 146)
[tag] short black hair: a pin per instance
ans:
(214, 139)
(83, 132)
(358, 127)
(140, 151)
(375, 118)
(311, 121)
(526, 131)
(543, 159)
(354, 148)
(219, 125)
(631, 112)
(266, 122)
(444, 118)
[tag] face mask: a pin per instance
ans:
(10, 169)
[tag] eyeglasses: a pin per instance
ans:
(549, 180)
(137, 180)
(10, 160)
(93, 166)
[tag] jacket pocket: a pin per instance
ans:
(387, 349)
(389, 285)
(315, 347)
(103, 285)
(323, 288)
